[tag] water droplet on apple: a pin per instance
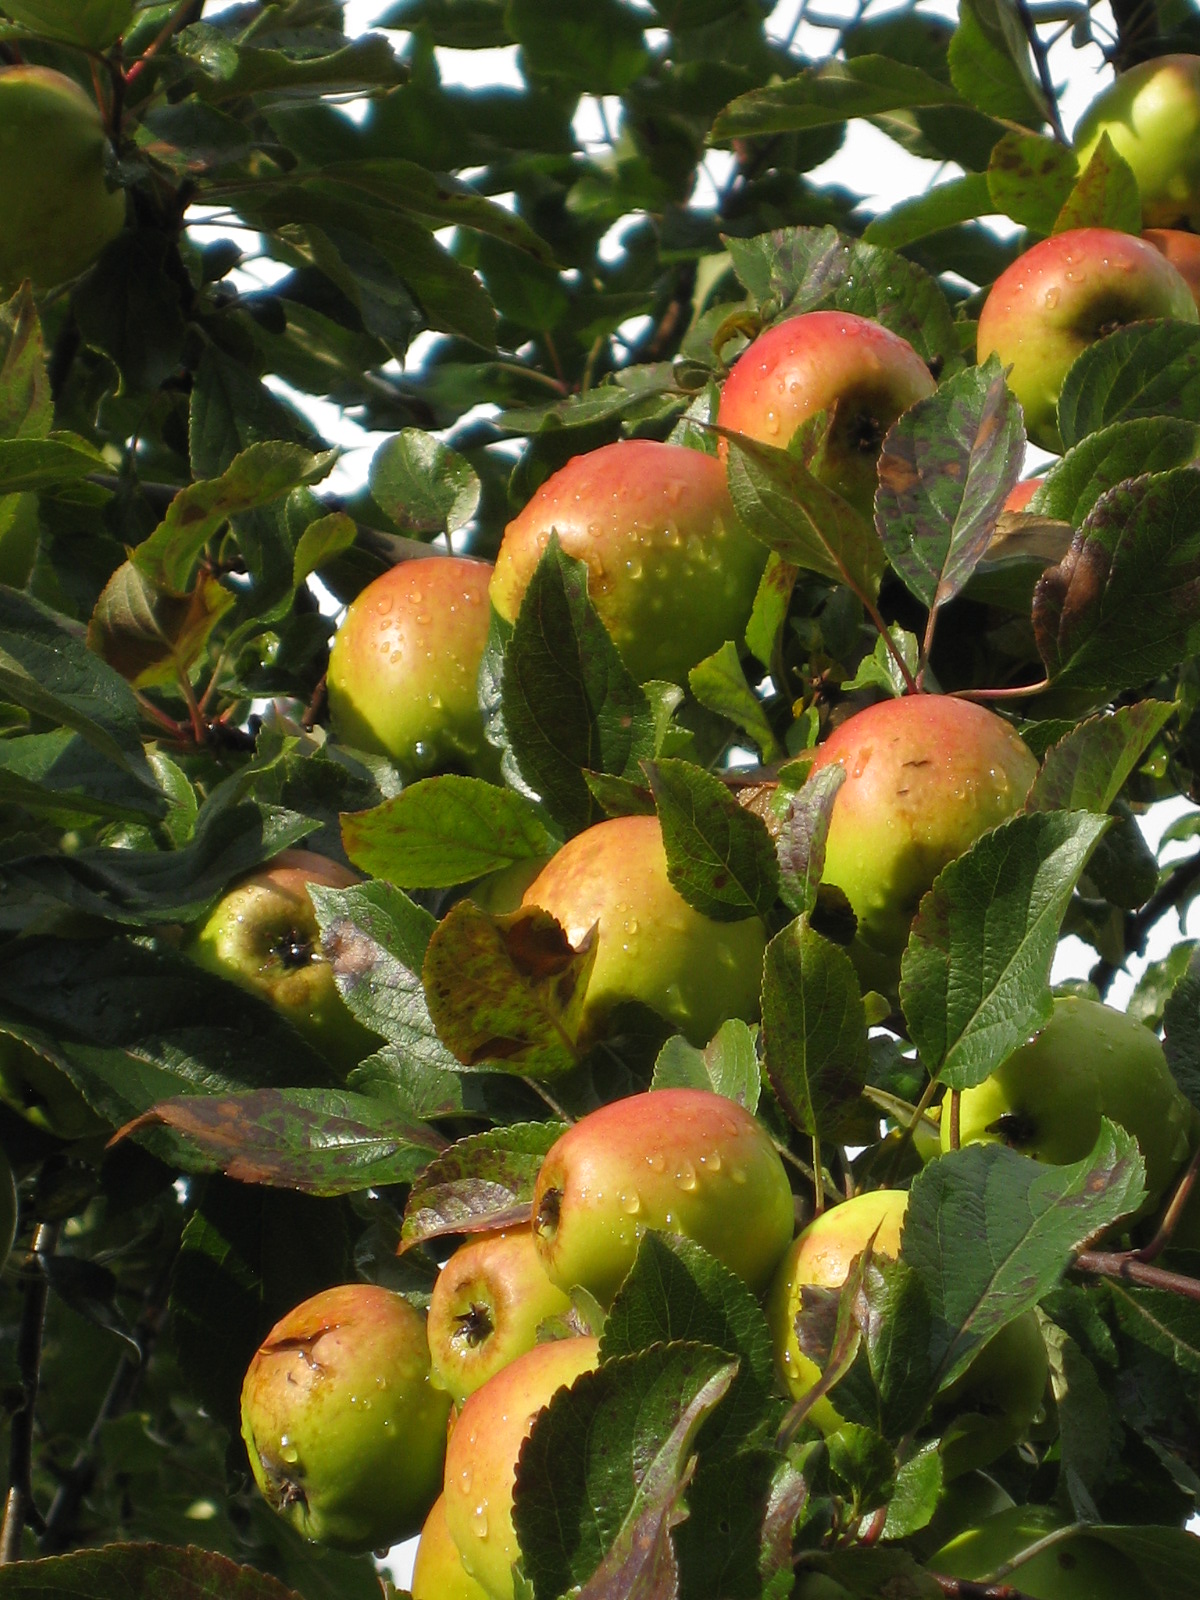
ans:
(737, 1174)
(479, 1522)
(658, 1161)
(465, 1477)
(685, 1177)
(631, 1202)
(1051, 298)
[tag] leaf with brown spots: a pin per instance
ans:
(118, 1571)
(507, 992)
(484, 1181)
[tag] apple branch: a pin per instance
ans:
(1038, 51)
(1128, 1266)
(19, 1507)
(1174, 1211)
(968, 1589)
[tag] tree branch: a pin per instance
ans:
(19, 1508)
(1127, 1265)
(1038, 50)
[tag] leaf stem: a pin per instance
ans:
(1020, 691)
(872, 610)
(19, 1507)
(1171, 1216)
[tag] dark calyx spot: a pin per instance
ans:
(545, 1221)
(473, 1327)
(293, 948)
(1016, 1128)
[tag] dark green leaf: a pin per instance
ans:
(1105, 458)
(1146, 369)
(728, 1064)
(960, 200)
(117, 1571)
(1181, 1030)
(1086, 770)
(834, 92)
(990, 62)
(423, 485)
(719, 855)
(800, 846)
(719, 684)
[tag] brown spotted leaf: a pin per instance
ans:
(120, 1571)
(507, 992)
(946, 469)
(153, 635)
(319, 1141)
(484, 1181)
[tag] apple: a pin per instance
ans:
(1022, 493)
(58, 209)
(38, 1090)
(263, 935)
(986, 1409)
(685, 1161)
(438, 1572)
(1062, 295)
(653, 946)
(1077, 1568)
(1182, 250)
(820, 1257)
(94, 24)
(1088, 1062)
(925, 776)
(404, 663)
(345, 1432)
(671, 570)
(856, 371)
(1152, 115)
(487, 1304)
(481, 1458)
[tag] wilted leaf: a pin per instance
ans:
(483, 1182)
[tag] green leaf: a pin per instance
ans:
(569, 702)
(375, 940)
(719, 855)
(1166, 1560)
(1030, 179)
(445, 831)
(26, 403)
(507, 993)
(1086, 770)
(834, 92)
(765, 628)
(719, 684)
(1106, 195)
(800, 846)
(990, 63)
(1110, 455)
(44, 463)
(597, 51)
(116, 1571)
(990, 1232)
(975, 973)
(814, 1029)
(1181, 1030)
(233, 71)
(1122, 606)
(915, 1498)
(1164, 1321)
(728, 1064)
(317, 1141)
(781, 503)
(1146, 369)
(601, 1479)
(946, 468)
(423, 485)
(944, 205)
(675, 1290)
(483, 1182)
(322, 540)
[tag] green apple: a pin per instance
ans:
(481, 1458)
(94, 24)
(438, 1572)
(1152, 115)
(682, 1161)
(57, 208)
(653, 946)
(993, 1403)
(404, 663)
(925, 776)
(263, 935)
(487, 1304)
(671, 570)
(1088, 1062)
(1062, 295)
(345, 1431)
(36, 1089)
(820, 1257)
(861, 375)
(1078, 1568)
(964, 1503)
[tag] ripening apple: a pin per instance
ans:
(856, 371)
(671, 570)
(438, 1572)
(94, 24)
(1062, 295)
(1182, 250)
(404, 663)
(1076, 1568)
(263, 935)
(1022, 493)
(653, 946)
(1152, 115)
(481, 1458)
(925, 776)
(683, 1161)
(1088, 1062)
(345, 1432)
(487, 1304)
(57, 208)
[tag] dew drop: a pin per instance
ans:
(685, 1176)
(631, 1202)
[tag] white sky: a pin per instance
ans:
(868, 163)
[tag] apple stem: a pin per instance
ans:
(543, 1093)
(818, 1176)
(19, 1506)
(1126, 1264)
(1174, 1211)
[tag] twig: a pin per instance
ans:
(174, 22)
(1136, 925)
(1126, 1265)
(1043, 71)
(1016, 692)
(19, 1508)
(1171, 1216)
(968, 1589)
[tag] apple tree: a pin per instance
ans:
(677, 903)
